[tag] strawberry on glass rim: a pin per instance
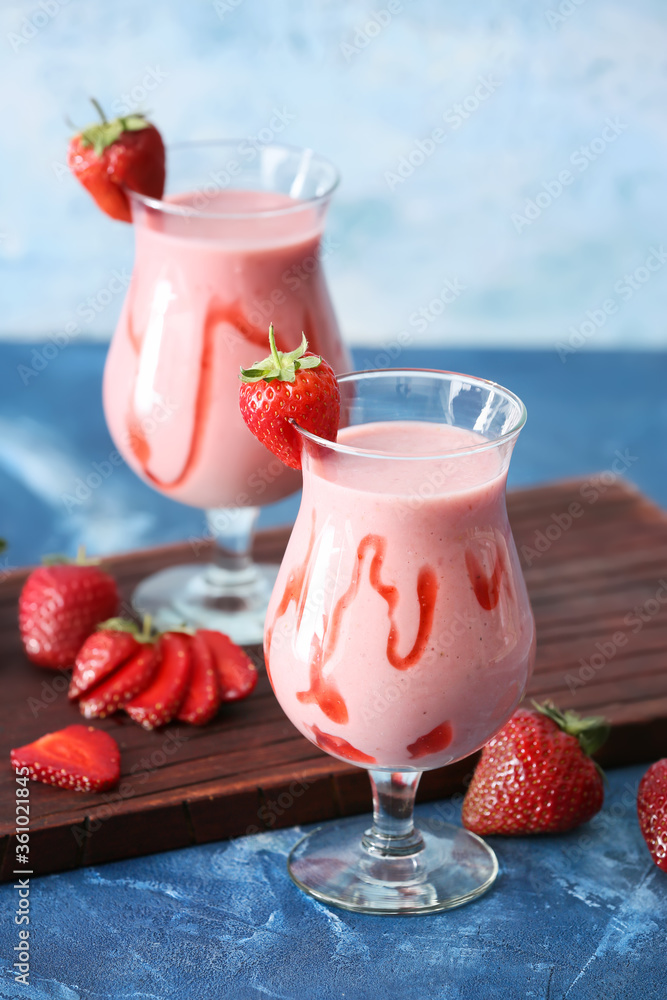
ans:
(109, 157)
(287, 388)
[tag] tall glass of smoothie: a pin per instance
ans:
(235, 245)
(399, 635)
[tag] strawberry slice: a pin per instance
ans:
(80, 758)
(129, 681)
(161, 700)
(102, 653)
(237, 674)
(202, 699)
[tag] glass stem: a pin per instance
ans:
(233, 529)
(393, 833)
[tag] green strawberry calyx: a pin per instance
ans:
(144, 633)
(81, 559)
(105, 133)
(280, 365)
(591, 732)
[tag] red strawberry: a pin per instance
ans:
(283, 388)
(102, 653)
(652, 811)
(202, 699)
(161, 700)
(536, 775)
(59, 608)
(127, 682)
(237, 674)
(80, 758)
(110, 157)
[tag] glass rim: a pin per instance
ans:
(170, 208)
(485, 445)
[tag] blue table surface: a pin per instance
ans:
(581, 916)
(582, 414)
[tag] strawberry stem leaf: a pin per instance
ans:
(274, 349)
(105, 133)
(280, 365)
(144, 634)
(98, 107)
(119, 625)
(81, 559)
(591, 731)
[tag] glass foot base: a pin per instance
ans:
(233, 602)
(453, 868)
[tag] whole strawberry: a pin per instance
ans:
(536, 775)
(652, 811)
(287, 388)
(110, 157)
(59, 607)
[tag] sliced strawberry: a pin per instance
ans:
(101, 654)
(161, 700)
(128, 681)
(202, 699)
(80, 758)
(237, 674)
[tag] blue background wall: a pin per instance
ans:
(555, 71)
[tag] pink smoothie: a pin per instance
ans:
(399, 632)
(203, 293)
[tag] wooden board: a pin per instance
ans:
(595, 560)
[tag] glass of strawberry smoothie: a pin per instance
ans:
(399, 633)
(235, 246)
